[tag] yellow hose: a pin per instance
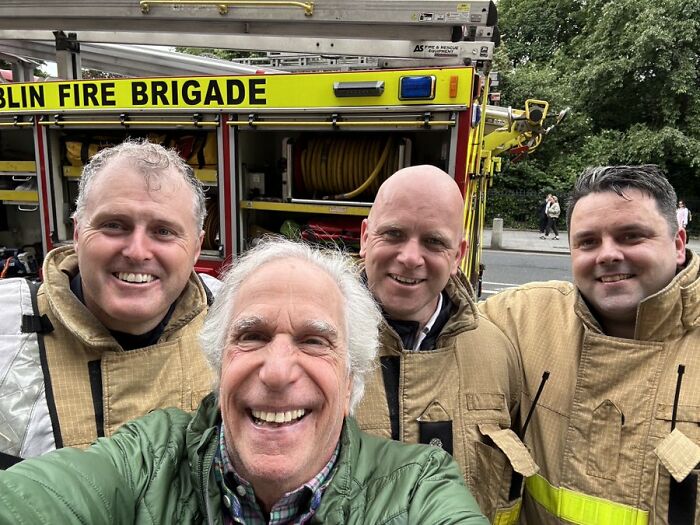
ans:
(338, 167)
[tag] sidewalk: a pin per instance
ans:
(529, 241)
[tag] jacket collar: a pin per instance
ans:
(201, 442)
(466, 314)
(61, 264)
(668, 313)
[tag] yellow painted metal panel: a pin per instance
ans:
(19, 196)
(330, 209)
(28, 166)
(252, 92)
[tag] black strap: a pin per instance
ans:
(390, 374)
(207, 291)
(682, 498)
(36, 324)
(95, 374)
(516, 479)
(6, 460)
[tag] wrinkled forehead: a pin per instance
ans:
(291, 285)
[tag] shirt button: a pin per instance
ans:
(241, 490)
(227, 502)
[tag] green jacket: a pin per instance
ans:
(157, 469)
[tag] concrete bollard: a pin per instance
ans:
(497, 234)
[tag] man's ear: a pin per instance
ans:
(363, 238)
(348, 395)
(680, 242)
(198, 251)
(461, 250)
(76, 231)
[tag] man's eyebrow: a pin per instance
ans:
(322, 328)
(584, 233)
(246, 323)
(632, 226)
(116, 215)
(111, 214)
(443, 236)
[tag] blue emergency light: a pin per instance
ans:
(414, 88)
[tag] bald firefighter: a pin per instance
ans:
(447, 376)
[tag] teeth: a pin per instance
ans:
(278, 417)
(405, 280)
(135, 277)
(615, 278)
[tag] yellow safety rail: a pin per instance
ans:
(223, 5)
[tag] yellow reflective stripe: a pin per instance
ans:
(580, 508)
(508, 516)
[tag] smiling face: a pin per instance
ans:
(136, 247)
(411, 243)
(285, 385)
(622, 252)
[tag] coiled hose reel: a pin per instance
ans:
(342, 168)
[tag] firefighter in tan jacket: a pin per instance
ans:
(112, 332)
(447, 376)
(615, 429)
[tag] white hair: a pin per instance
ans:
(362, 315)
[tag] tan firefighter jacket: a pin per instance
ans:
(601, 432)
(465, 391)
(48, 390)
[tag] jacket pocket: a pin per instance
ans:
(677, 477)
(687, 419)
(502, 464)
(487, 468)
(604, 439)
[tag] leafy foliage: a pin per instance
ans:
(629, 70)
(223, 54)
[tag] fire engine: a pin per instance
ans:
(297, 153)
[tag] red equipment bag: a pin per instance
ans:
(341, 231)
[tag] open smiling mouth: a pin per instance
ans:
(405, 280)
(615, 278)
(277, 419)
(135, 278)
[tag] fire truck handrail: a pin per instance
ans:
(223, 5)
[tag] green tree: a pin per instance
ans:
(629, 70)
(223, 54)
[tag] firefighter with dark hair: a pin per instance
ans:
(610, 362)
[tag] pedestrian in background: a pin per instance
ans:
(553, 212)
(542, 213)
(683, 215)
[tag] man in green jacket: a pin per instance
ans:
(291, 336)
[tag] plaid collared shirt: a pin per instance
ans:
(239, 502)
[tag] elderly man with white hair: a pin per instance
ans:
(291, 336)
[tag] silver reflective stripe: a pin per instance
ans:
(25, 425)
